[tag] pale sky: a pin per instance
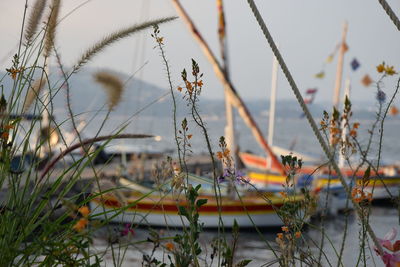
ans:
(306, 30)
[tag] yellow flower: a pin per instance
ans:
(381, 67)
(390, 70)
(84, 210)
(80, 225)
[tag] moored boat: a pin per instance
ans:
(148, 206)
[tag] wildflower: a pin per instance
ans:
(283, 194)
(297, 234)
(179, 89)
(226, 153)
(127, 230)
(80, 225)
(390, 70)
(84, 210)
(200, 83)
(5, 136)
(356, 125)
(160, 40)
(381, 67)
(170, 246)
(390, 259)
(220, 155)
(280, 235)
(13, 72)
(353, 133)
(285, 229)
(190, 136)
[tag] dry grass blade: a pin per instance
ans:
(51, 27)
(112, 85)
(33, 93)
(34, 20)
(114, 37)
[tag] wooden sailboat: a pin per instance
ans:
(160, 207)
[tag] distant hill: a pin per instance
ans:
(145, 99)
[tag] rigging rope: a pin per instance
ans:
(309, 117)
(390, 13)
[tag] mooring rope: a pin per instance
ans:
(309, 117)
(390, 13)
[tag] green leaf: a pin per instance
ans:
(201, 202)
(183, 211)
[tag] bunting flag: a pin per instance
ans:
(320, 75)
(393, 111)
(355, 64)
(329, 59)
(309, 99)
(366, 80)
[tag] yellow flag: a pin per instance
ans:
(320, 75)
(329, 59)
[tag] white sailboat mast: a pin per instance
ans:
(272, 101)
(274, 82)
(342, 159)
(339, 69)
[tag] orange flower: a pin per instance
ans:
(353, 133)
(84, 210)
(4, 136)
(381, 67)
(356, 125)
(226, 153)
(283, 194)
(285, 229)
(8, 127)
(189, 136)
(220, 155)
(80, 225)
(170, 246)
(200, 83)
(160, 40)
(179, 89)
(280, 235)
(297, 234)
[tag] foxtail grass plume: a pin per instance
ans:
(114, 37)
(51, 27)
(33, 93)
(34, 20)
(112, 85)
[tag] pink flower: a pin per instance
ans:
(127, 230)
(390, 259)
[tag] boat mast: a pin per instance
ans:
(230, 119)
(339, 68)
(342, 159)
(271, 119)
